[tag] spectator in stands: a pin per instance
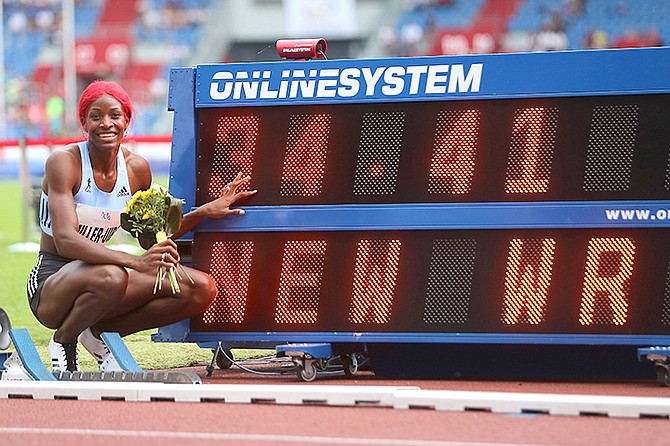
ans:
(78, 286)
(17, 22)
(621, 9)
(556, 22)
(45, 20)
(175, 14)
(549, 39)
(36, 119)
(54, 111)
(151, 17)
(631, 39)
(390, 42)
(410, 36)
(596, 39)
(575, 7)
(653, 37)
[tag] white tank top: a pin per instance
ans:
(99, 212)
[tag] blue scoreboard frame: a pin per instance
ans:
(461, 211)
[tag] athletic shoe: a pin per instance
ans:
(110, 364)
(96, 347)
(99, 350)
(64, 357)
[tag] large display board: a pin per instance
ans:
(499, 199)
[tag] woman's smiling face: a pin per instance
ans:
(105, 122)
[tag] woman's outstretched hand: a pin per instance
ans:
(230, 194)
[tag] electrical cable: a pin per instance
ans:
(219, 348)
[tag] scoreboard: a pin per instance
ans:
(492, 203)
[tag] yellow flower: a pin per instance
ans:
(133, 200)
(146, 216)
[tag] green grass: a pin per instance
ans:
(14, 270)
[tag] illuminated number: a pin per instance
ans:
(300, 282)
(611, 145)
(609, 266)
(453, 164)
(230, 269)
(667, 174)
(305, 159)
(234, 151)
(531, 151)
(527, 279)
(450, 281)
(375, 274)
(379, 153)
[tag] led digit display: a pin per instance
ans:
(452, 165)
(450, 281)
(544, 149)
(527, 279)
(530, 156)
(305, 160)
(230, 268)
(375, 276)
(582, 281)
(611, 147)
(379, 153)
(300, 282)
(233, 152)
(609, 267)
(437, 197)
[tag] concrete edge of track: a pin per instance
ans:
(398, 397)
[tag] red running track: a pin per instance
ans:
(38, 422)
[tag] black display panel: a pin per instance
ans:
(500, 150)
(544, 281)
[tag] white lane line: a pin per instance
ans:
(248, 437)
(365, 396)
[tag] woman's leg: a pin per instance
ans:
(140, 309)
(78, 295)
(109, 298)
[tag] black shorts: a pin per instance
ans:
(47, 265)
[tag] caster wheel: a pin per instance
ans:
(221, 361)
(662, 375)
(306, 371)
(350, 364)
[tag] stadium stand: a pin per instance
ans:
(620, 23)
(464, 26)
(107, 41)
(137, 44)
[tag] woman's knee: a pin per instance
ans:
(203, 291)
(109, 282)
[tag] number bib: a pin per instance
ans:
(98, 225)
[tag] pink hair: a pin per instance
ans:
(100, 88)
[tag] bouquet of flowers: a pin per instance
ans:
(152, 216)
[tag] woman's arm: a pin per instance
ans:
(61, 175)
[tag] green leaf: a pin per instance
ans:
(173, 216)
(126, 222)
